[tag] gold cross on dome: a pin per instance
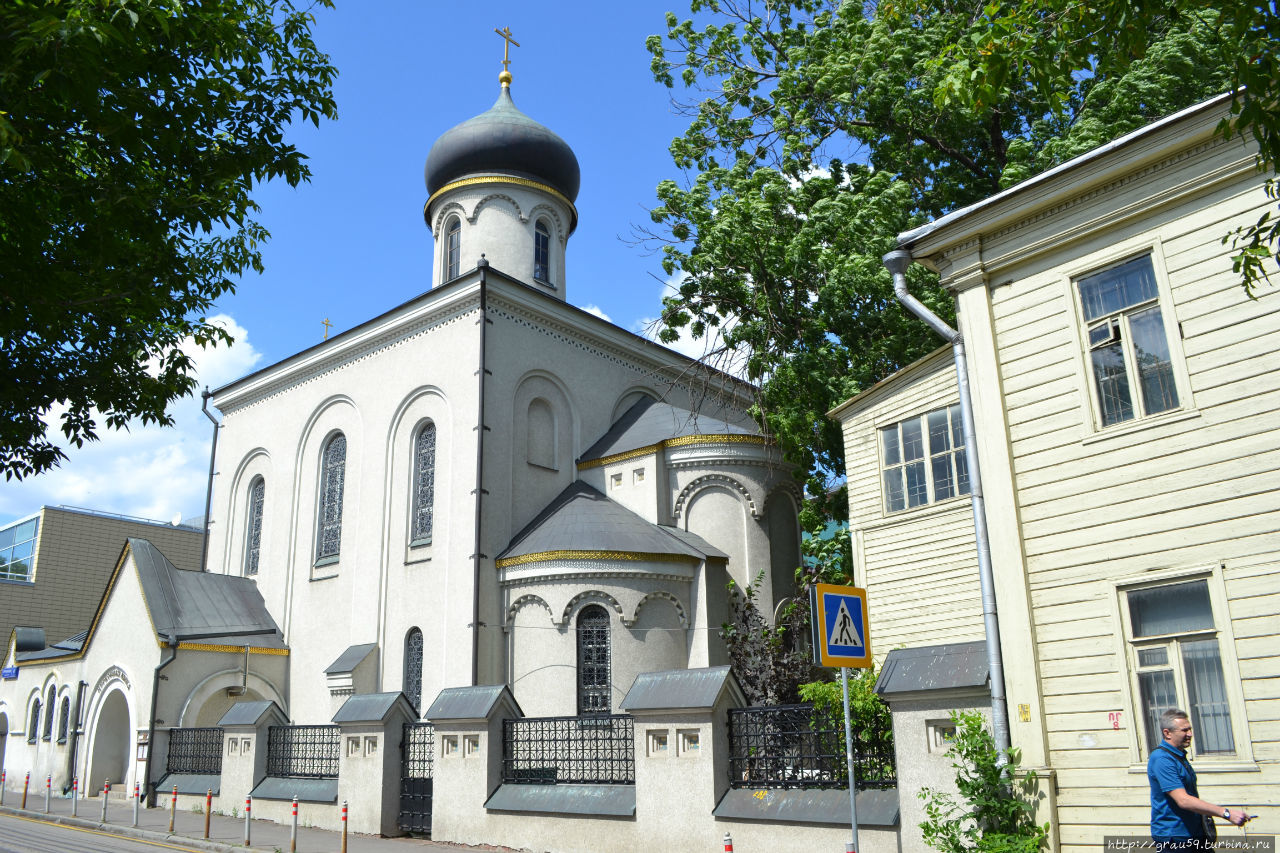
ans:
(505, 32)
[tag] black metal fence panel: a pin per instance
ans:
(589, 750)
(195, 751)
(417, 765)
(303, 752)
(798, 746)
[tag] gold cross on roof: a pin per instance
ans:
(505, 32)
(326, 325)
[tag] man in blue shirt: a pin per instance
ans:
(1180, 820)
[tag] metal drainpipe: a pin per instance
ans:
(151, 721)
(897, 262)
(75, 730)
(208, 494)
(481, 429)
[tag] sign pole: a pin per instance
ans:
(848, 748)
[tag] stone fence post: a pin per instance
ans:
(244, 748)
(369, 764)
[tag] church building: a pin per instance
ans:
(483, 485)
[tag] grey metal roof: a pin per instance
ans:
(946, 667)
(649, 422)
(469, 703)
(190, 783)
(350, 659)
(306, 790)
(582, 519)
(372, 707)
(618, 800)
(875, 808)
(201, 605)
(248, 713)
(678, 688)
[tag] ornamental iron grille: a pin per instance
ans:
(417, 763)
(424, 483)
(33, 730)
(195, 751)
(303, 752)
(329, 539)
(453, 248)
(49, 707)
(541, 252)
(596, 750)
(593, 661)
(799, 746)
(253, 538)
(413, 668)
(64, 719)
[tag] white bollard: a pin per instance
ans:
(135, 803)
(48, 788)
(75, 794)
(248, 808)
(728, 843)
(293, 829)
(106, 792)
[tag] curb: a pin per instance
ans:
(134, 832)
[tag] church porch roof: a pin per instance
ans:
(649, 423)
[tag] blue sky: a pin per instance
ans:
(352, 243)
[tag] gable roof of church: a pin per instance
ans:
(584, 523)
(650, 422)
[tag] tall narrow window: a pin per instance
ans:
(49, 706)
(64, 719)
(253, 528)
(541, 252)
(424, 485)
(1178, 663)
(329, 535)
(593, 661)
(452, 248)
(413, 668)
(33, 730)
(924, 460)
(1126, 342)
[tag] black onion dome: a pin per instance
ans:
(506, 141)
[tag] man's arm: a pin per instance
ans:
(1183, 800)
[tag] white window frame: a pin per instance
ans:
(882, 466)
(1100, 261)
(1127, 651)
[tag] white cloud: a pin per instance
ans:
(145, 471)
(597, 311)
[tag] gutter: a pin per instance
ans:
(483, 266)
(75, 731)
(208, 494)
(897, 262)
(172, 643)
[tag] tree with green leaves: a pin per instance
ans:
(132, 135)
(814, 138)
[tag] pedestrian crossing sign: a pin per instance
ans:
(839, 619)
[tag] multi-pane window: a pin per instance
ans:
(452, 248)
(1178, 664)
(424, 484)
(923, 460)
(64, 719)
(333, 472)
(17, 550)
(49, 705)
(413, 668)
(593, 661)
(253, 529)
(1127, 342)
(33, 730)
(541, 252)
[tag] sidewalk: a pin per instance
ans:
(225, 833)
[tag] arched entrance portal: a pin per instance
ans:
(111, 742)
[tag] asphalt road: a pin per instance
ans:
(23, 835)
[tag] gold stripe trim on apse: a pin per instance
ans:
(239, 650)
(624, 556)
(499, 179)
(681, 441)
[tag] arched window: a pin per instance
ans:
(253, 527)
(33, 730)
(49, 707)
(541, 443)
(413, 668)
(541, 252)
(333, 472)
(64, 719)
(452, 248)
(593, 661)
(424, 485)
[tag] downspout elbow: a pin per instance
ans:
(897, 262)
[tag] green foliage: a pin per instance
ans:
(1058, 44)
(870, 721)
(994, 809)
(815, 136)
(769, 661)
(132, 133)
(828, 556)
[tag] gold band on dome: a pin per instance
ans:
(500, 179)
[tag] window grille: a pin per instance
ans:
(64, 719)
(453, 248)
(33, 730)
(329, 538)
(50, 707)
(597, 750)
(417, 763)
(424, 484)
(413, 668)
(195, 751)
(253, 532)
(799, 746)
(594, 693)
(541, 252)
(304, 752)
